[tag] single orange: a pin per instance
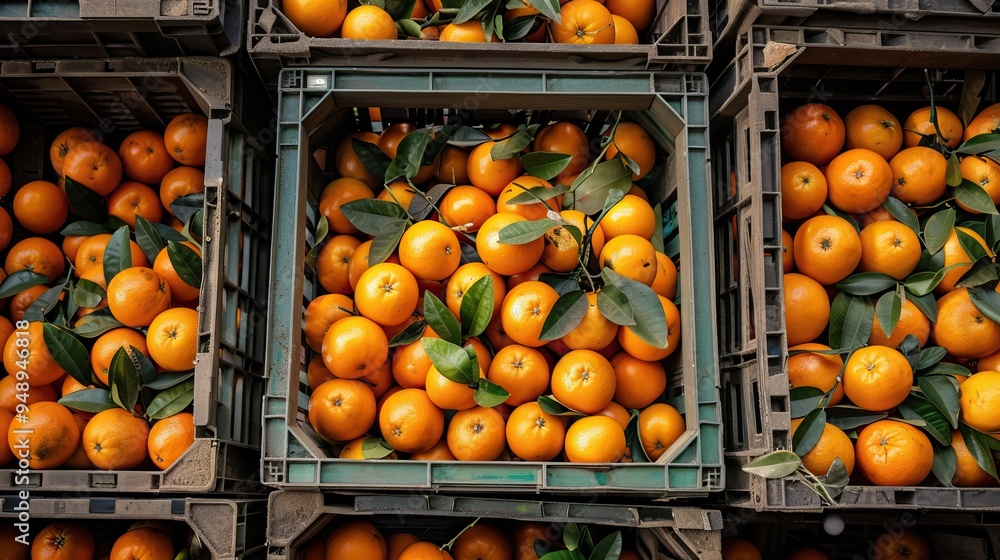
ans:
(477, 434)
(336, 194)
(489, 174)
(115, 439)
(813, 369)
(583, 380)
(145, 157)
(892, 453)
(503, 258)
(633, 141)
(410, 422)
(186, 139)
(595, 439)
(583, 22)
(133, 199)
(342, 409)
(660, 425)
(524, 312)
(94, 166)
(858, 181)
(807, 308)
(354, 347)
(466, 207)
(137, 295)
(40, 207)
(889, 247)
(803, 190)
(873, 128)
(170, 438)
(814, 133)
(827, 249)
(387, 294)
(533, 434)
(919, 124)
(918, 175)
(962, 329)
(368, 22)
(172, 339)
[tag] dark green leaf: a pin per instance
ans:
(564, 554)
(851, 319)
(560, 283)
(187, 207)
(123, 378)
(565, 315)
(519, 27)
(370, 215)
(422, 205)
(910, 349)
(409, 335)
(614, 305)
(372, 158)
(489, 394)
(934, 423)
(983, 271)
(83, 229)
(923, 283)
(591, 188)
(809, 432)
(470, 9)
(450, 360)
(979, 448)
(148, 238)
(186, 262)
(44, 305)
(650, 319)
(409, 155)
(477, 306)
(385, 242)
(980, 144)
(804, 400)
(930, 356)
(519, 233)
(926, 304)
(938, 229)
(117, 254)
(533, 195)
(609, 548)
(405, 27)
(946, 368)
(441, 319)
(975, 197)
(774, 465)
(888, 309)
(97, 323)
(19, 281)
(88, 204)
(551, 406)
(89, 400)
(986, 301)
(848, 417)
(545, 165)
(508, 148)
(866, 283)
(991, 231)
(945, 464)
(971, 246)
(942, 392)
(549, 9)
(172, 401)
(168, 379)
(953, 173)
(68, 352)
(88, 294)
(902, 213)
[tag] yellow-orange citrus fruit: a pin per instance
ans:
(877, 378)
(832, 444)
(827, 249)
(813, 369)
(892, 453)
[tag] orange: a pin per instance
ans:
(368, 22)
(94, 166)
(348, 163)
(907, 545)
(954, 253)
(482, 541)
(919, 124)
(392, 135)
(892, 453)
(533, 273)
(410, 364)
(889, 247)
(424, 551)
(583, 22)
(410, 422)
(962, 329)
(9, 395)
(477, 434)
(634, 142)
(632, 257)
(63, 541)
(397, 543)
(464, 278)
(468, 32)
(967, 472)
(356, 539)
(832, 444)
(467, 207)
(90, 254)
(447, 394)
(806, 553)
(637, 15)
(877, 378)
(807, 308)
(595, 439)
(42, 368)
(358, 263)
(814, 133)
(334, 261)
(6, 452)
(186, 138)
(40, 207)
(858, 181)
(873, 128)
(430, 250)
(918, 175)
(137, 295)
(144, 156)
(489, 174)
(23, 300)
(322, 312)
(583, 380)
(533, 211)
(53, 435)
(380, 380)
(170, 438)
(398, 192)
(522, 371)
(133, 199)
(564, 138)
(318, 19)
(336, 194)
(524, 312)
(631, 215)
(638, 348)
(986, 122)
(503, 258)
(172, 339)
(439, 452)
(116, 440)
(984, 172)
(978, 399)
(827, 249)
(562, 252)
(453, 166)
(354, 347)
(524, 536)
(660, 425)
(36, 255)
(739, 549)
(7, 229)
(143, 543)
(812, 369)
(387, 294)
(533, 434)
(10, 130)
(342, 409)
(665, 282)
(637, 382)
(594, 332)
(803, 190)
(911, 321)
(108, 344)
(180, 290)
(66, 141)
(787, 252)
(178, 182)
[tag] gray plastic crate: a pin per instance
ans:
(318, 106)
(657, 532)
(229, 529)
(776, 69)
(119, 96)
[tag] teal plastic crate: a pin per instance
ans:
(321, 104)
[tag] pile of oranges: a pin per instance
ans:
(890, 292)
(894, 544)
(483, 540)
(577, 22)
(100, 284)
(472, 314)
(148, 540)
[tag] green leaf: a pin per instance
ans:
(385, 242)
(168, 379)
(172, 401)
(946, 368)
(809, 432)
(545, 165)
(902, 213)
(489, 394)
(470, 9)
(422, 206)
(888, 309)
(88, 204)
(953, 173)
(866, 283)
(559, 282)
(123, 378)
(118, 253)
(945, 464)
(851, 319)
(571, 536)
(68, 352)
(508, 148)
(370, 215)
(992, 231)
(148, 238)
(591, 188)
(614, 305)
(609, 548)
(519, 27)
(633, 439)
(83, 229)
(923, 283)
(549, 9)
(519, 233)
(971, 246)
(804, 400)
(550, 405)
(409, 156)
(650, 320)
(980, 144)
(942, 392)
(564, 555)
(186, 262)
(534, 195)
(371, 157)
(451, 360)
(983, 271)
(986, 301)
(19, 281)
(97, 323)
(847, 417)
(375, 448)
(565, 315)
(836, 476)
(975, 197)
(476, 310)
(187, 207)
(910, 349)
(88, 294)
(774, 465)
(409, 335)
(44, 305)
(926, 304)
(979, 448)
(441, 319)
(930, 356)
(938, 230)
(89, 400)
(934, 423)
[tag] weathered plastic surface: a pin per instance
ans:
(229, 529)
(108, 28)
(747, 107)
(316, 106)
(679, 36)
(661, 533)
(119, 96)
